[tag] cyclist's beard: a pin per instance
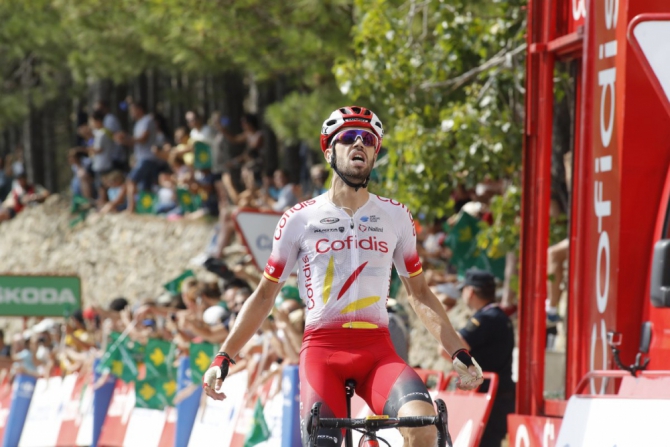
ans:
(355, 174)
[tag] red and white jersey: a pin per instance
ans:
(344, 261)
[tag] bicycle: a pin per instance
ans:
(371, 424)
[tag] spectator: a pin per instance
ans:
(115, 186)
(162, 130)
(25, 361)
(144, 174)
(23, 194)
(199, 130)
(318, 175)
(288, 192)
(220, 147)
(167, 196)
(101, 151)
(81, 183)
(112, 124)
(5, 349)
(5, 178)
(489, 335)
(252, 197)
(557, 255)
(205, 185)
(252, 137)
(16, 161)
(5, 356)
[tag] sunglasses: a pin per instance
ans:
(349, 137)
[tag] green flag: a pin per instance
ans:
(200, 356)
(188, 201)
(462, 240)
(259, 430)
(168, 389)
(118, 358)
(174, 286)
(159, 359)
(202, 155)
(151, 393)
(146, 203)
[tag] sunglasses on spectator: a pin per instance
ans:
(349, 137)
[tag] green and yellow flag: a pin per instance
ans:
(188, 201)
(259, 431)
(462, 240)
(202, 155)
(201, 355)
(159, 359)
(146, 203)
(174, 286)
(155, 394)
(118, 358)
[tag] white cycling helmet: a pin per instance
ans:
(352, 116)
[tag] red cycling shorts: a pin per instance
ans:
(331, 356)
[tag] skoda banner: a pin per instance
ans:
(39, 296)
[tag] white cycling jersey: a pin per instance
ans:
(344, 261)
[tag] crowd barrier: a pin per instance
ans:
(78, 410)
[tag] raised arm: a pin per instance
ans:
(253, 313)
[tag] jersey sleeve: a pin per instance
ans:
(285, 248)
(405, 257)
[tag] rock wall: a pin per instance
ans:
(114, 255)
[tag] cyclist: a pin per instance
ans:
(345, 242)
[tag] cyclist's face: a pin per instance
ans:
(355, 160)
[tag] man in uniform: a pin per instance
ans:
(489, 335)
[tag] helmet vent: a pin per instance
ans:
(356, 110)
(331, 122)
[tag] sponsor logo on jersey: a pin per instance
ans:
(309, 290)
(363, 228)
(329, 220)
(396, 203)
(326, 230)
(341, 229)
(350, 243)
(282, 222)
(372, 219)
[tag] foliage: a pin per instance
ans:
(96, 39)
(122, 38)
(447, 79)
(33, 45)
(503, 236)
(299, 116)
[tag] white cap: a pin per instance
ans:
(213, 315)
(472, 208)
(45, 325)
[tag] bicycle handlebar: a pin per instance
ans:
(374, 423)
